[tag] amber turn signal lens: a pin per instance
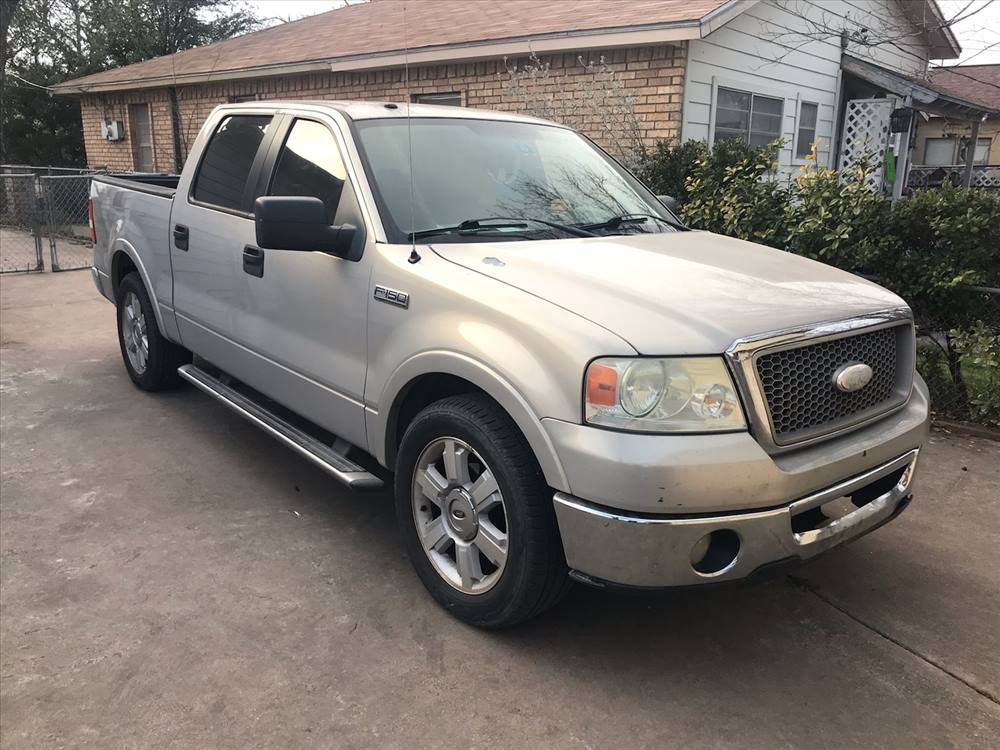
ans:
(602, 385)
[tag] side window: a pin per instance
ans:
(310, 164)
(806, 136)
(222, 176)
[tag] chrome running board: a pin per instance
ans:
(324, 456)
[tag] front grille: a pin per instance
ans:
(798, 386)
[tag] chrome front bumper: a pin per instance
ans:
(607, 546)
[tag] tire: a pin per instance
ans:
(466, 534)
(150, 359)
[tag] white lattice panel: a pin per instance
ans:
(866, 133)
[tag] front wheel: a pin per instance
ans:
(476, 514)
(150, 359)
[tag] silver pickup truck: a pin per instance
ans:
(565, 382)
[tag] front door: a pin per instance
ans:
(305, 313)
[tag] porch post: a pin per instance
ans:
(903, 157)
(970, 154)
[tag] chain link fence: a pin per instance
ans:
(20, 224)
(65, 198)
(43, 212)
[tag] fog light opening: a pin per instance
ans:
(715, 552)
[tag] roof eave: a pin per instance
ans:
(923, 97)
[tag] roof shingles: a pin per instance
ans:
(974, 83)
(378, 26)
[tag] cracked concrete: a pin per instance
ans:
(171, 577)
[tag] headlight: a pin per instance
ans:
(682, 394)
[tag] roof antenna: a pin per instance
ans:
(414, 255)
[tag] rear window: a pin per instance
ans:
(222, 177)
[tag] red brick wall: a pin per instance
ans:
(653, 75)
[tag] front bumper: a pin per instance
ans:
(605, 545)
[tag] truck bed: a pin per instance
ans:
(132, 214)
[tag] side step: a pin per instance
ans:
(333, 463)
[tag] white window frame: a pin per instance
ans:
(796, 159)
(749, 88)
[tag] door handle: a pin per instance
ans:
(181, 235)
(253, 261)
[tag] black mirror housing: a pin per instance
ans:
(295, 222)
(670, 202)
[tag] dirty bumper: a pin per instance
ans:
(604, 545)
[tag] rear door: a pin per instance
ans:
(210, 224)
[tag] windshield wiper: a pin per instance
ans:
(474, 226)
(616, 222)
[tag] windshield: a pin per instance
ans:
(467, 171)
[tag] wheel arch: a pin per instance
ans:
(430, 376)
(124, 260)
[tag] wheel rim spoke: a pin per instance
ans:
(491, 542)
(434, 537)
(485, 492)
(467, 562)
(432, 484)
(456, 462)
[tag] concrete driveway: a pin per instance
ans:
(171, 577)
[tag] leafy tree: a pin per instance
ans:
(49, 41)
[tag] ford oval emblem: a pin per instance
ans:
(852, 377)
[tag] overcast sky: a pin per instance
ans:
(978, 33)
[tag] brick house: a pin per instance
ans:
(704, 69)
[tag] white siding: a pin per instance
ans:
(785, 48)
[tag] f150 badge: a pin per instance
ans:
(392, 296)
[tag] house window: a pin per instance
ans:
(142, 137)
(751, 118)
(449, 99)
(236, 99)
(939, 152)
(806, 136)
(982, 155)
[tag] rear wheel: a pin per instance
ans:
(476, 514)
(150, 360)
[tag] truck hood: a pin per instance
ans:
(675, 293)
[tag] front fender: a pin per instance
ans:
(482, 376)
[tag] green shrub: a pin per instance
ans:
(979, 349)
(943, 240)
(831, 219)
(665, 169)
(732, 191)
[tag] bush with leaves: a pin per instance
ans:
(731, 191)
(665, 168)
(979, 349)
(830, 219)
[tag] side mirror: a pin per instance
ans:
(670, 202)
(294, 222)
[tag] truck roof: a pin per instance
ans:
(365, 110)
